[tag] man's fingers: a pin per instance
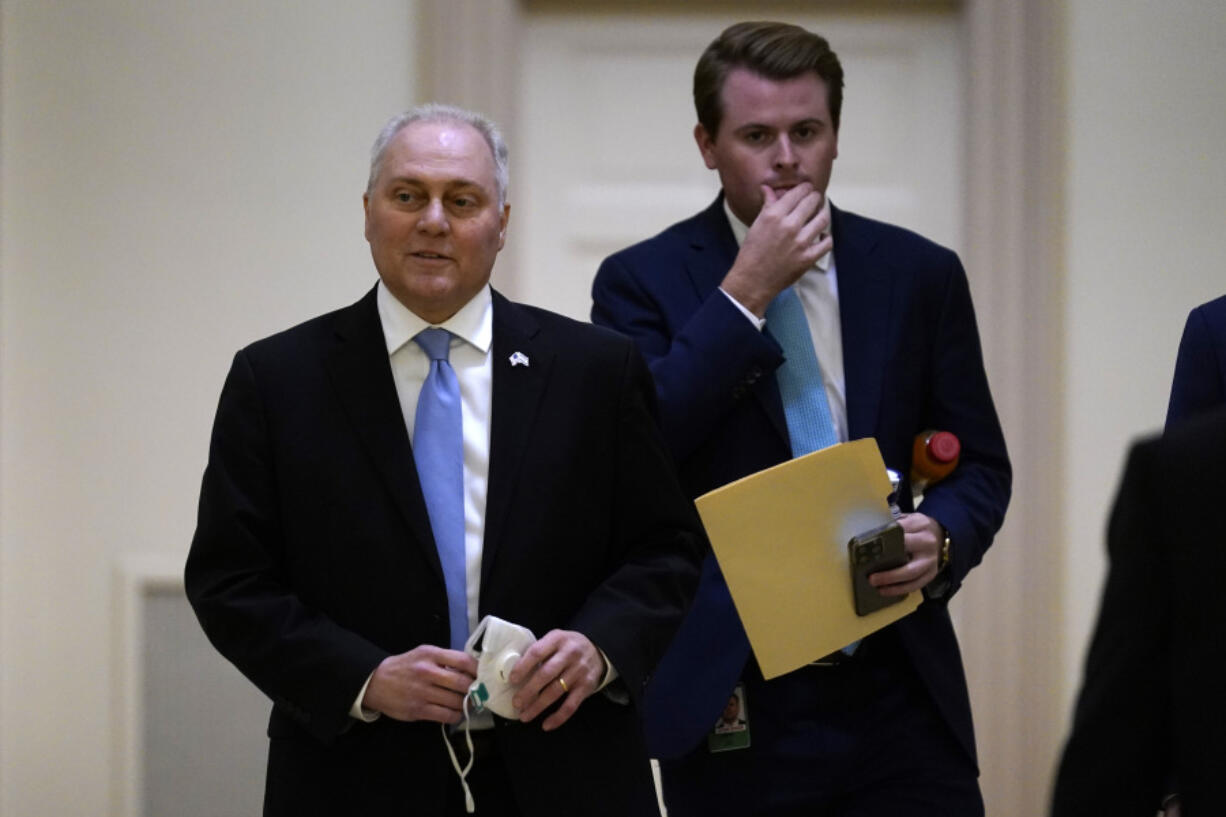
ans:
(546, 686)
(426, 683)
(791, 198)
(571, 693)
(449, 669)
(903, 580)
(454, 679)
(816, 225)
(768, 195)
(796, 217)
(803, 199)
(443, 657)
(539, 652)
(569, 707)
(447, 697)
(920, 539)
(541, 688)
(899, 575)
(438, 714)
(895, 590)
(561, 666)
(809, 208)
(545, 698)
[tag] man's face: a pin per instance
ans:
(432, 217)
(774, 132)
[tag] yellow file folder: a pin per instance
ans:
(781, 536)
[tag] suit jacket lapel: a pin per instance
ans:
(517, 390)
(713, 249)
(864, 312)
(358, 365)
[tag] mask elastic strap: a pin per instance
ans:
(469, 804)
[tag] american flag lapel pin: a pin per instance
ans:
(518, 359)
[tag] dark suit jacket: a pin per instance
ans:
(1151, 702)
(1200, 368)
(313, 558)
(912, 361)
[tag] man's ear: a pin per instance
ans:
(366, 212)
(706, 146)
(502, 227)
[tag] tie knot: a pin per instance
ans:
(435, 342)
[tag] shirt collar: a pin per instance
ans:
(740, 230)
(474, 323)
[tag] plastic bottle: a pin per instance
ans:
(934, 455)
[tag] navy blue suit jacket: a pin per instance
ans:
(912, 360)
(314, 560)
(1200, 368)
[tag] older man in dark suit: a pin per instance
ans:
(775, 324)
(382, 476)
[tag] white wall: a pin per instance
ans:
(1146, 241)
(178, 179)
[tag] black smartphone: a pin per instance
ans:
(873, 551)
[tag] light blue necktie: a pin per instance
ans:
(438, 448)
(810, 426)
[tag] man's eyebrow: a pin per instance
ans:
(450, 184)
(809, 120)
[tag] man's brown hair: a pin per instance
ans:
(776, 51)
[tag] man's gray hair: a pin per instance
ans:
(435, 112)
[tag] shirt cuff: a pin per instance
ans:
(754, 319)
(610, 671)
(357, 711)
(616, 694)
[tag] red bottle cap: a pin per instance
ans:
(943, 446)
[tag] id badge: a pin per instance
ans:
(731, 731)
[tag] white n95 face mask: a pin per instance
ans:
(497, 645)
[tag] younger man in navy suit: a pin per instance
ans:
(886, 729)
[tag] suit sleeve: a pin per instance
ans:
(1117, 755)
(971, 502)
(702, 368)
(1197, 383)
(237, 576)
(633, 614)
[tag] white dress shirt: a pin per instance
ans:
(818, 290)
